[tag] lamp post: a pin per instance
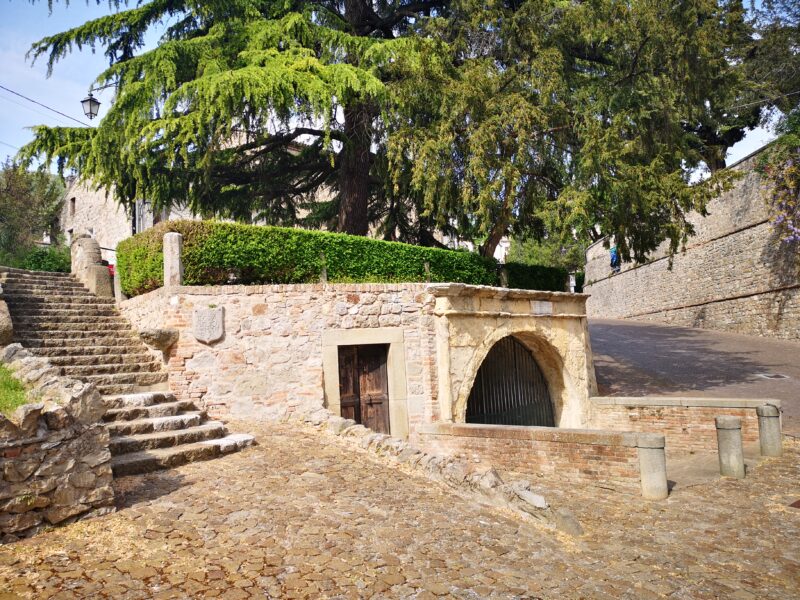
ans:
(91, 106)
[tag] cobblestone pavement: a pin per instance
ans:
(308, 515)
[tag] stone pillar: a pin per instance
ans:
(769, 430)
(118, 294)
(729, 444)
(173, 265)
(88, 267)
(652, 466)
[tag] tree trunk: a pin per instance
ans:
(355, 158)
(354, 170)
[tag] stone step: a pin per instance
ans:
(138, 399)
(77, 337)
(81, 327)
(80, 347)
(57, 313)
(129, 348)
(165, 458)
(125, 444)
(29, 289)
(160, 409)
(33, 321)
(153, 424)
(81, 371)
(120, 358)
(43, 282)
(11, 271)
(55, 300)
(129, 388)
(144, 378)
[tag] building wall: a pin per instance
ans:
(735, 275)
(87, 210)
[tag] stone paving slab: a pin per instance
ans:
(309, 515)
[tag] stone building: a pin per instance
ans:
(93, 211)
(734, 275)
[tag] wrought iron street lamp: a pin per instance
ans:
(91, 106)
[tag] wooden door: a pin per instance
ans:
(364, 385)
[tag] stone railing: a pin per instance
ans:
(54, 455)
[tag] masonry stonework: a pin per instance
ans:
(735, 275)
(278, 351)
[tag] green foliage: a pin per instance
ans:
(549, 252)
(216, 253)
(12, 392)
(54, 259)
(580, 280)
(536, 277)
(476, 118)
(30, 204)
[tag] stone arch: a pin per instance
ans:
(547, 357)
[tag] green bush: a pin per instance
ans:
(49, 258)
(536, 277)
(217, 253)
(580, 280)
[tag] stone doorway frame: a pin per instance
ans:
(395, 366)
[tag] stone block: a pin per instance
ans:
(98, 279)
(27, 418)
(159, 338)
(13, 352)
(6, 326)
(16, 522)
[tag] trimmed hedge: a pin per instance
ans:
(217, 253)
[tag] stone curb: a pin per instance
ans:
(484, 486)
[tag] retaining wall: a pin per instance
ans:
(574, 455)
(735, 274)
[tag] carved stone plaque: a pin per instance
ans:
(541, 307)
(208, 324)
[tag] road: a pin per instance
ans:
(634, 359)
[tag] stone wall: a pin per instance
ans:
(735, 275)
(572, 455)
(270, 358)
(54, 457)
(686, 423)
(276, 350)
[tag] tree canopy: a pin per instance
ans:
(475, 119)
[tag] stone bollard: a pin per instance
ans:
(173, 265)
(769, 430)
(652, 466)
(729, 445)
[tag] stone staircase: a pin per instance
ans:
(56, 317)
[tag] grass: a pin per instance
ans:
(12, 393)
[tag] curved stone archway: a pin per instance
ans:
(547, 358)
(470, 320)
(510, 388)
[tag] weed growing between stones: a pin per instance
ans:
(12, 392)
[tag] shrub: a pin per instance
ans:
(217, 253)
(50, 258)
(536, 277)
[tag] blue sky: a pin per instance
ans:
(23, 23)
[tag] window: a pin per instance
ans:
(72, 207)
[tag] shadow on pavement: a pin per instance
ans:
(640, 359)
(135, 489)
